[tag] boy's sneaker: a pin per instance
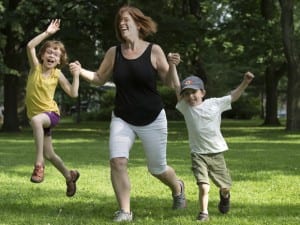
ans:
(224, 204)
(179, 201)
(203, 217)
(71, 184)
(121, 216)
(37, 174)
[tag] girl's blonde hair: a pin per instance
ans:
(55, 45)
(146, 24)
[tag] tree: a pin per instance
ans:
(276, 66)
(11, 61)
(22, 20)
(292, 56)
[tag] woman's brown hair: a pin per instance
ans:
(146, 24)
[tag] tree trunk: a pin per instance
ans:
(10, 123)
(293, 92)
(271, 97)
(11, 59)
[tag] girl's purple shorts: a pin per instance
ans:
(54, 118)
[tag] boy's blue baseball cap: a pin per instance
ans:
(192, 82)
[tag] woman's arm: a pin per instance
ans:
(104, 72)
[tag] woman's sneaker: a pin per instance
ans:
(179, 201)
(71, 184)
(121, 216)
(38, 174)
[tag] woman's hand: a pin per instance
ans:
(75, 68)
(174, 58)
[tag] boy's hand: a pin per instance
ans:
(174, 58)
(248, 77)
(53, 27)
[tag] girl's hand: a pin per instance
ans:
(75, 68)
(174, 58)
(53, 27)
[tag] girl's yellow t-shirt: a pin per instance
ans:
(40, 92)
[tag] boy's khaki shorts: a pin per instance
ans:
(213, 166)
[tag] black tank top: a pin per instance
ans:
(137, 99)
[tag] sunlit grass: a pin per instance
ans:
(263, 161)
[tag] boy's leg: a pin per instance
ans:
(203, 197)
(203, 200)
(221, 177)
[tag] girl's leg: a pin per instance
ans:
(54, 158)
(38, 123)
(71, 176)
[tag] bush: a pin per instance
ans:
(169, 99)
(107, 104)
(245, 107)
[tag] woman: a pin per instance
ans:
(134, 66)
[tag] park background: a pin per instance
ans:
(219, 41)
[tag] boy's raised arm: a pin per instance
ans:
(236, 93)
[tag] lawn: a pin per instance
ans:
(263, 161)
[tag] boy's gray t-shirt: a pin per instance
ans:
(204, 124)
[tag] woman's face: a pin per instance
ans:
(128, 27)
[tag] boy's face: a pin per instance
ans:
(51, 57)
(193, 97)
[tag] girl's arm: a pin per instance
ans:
(31, 52)
(70, 89)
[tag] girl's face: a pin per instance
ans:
(51, 57)
(128, 27)
(193, 97)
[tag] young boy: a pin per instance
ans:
(42, 110)
(203, 121)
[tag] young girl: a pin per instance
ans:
(42, 110)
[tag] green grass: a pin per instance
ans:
(263, 161)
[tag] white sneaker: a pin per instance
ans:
(121, 216)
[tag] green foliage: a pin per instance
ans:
(169, 99)
(107, 104)
(225, 37)
(245, 108)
